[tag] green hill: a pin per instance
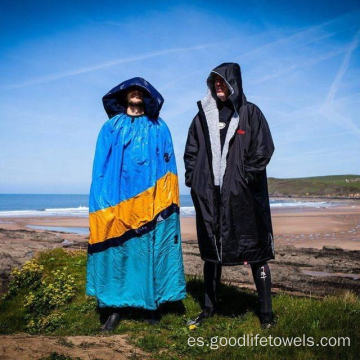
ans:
(338, 186)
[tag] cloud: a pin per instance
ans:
(330, 152)
(107, 64)
(328, 109)
(342, 69)
(301, 65)
(342, 120)
(304, 35)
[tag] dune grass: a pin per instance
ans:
(77, 314)
(319, 186)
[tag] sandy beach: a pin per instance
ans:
(301, 227)
(317, 249)
(308, 228)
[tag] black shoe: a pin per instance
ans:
(205, 314)
(153, 317)
(111, 323)
(267, 321)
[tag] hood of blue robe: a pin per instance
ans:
(115, 100)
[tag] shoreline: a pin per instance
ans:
(276, 203)
(300, 227)
(287, 222)
(286, 197)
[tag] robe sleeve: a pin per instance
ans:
(261, 147)
(191, 151)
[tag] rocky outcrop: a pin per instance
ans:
(18, 246)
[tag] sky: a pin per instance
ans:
(299, 59)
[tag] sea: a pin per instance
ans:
(56, 205)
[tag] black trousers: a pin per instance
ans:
(262, 279)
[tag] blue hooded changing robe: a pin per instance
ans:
(134, 251)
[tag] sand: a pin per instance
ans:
(27, 347)
(338, 226)
(308, 228)
(301, 227)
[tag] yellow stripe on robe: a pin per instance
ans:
(135, 212)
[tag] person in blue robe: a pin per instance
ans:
(134, 251)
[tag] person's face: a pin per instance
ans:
(221, 89)
(134, 97)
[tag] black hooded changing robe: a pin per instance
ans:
(237, 227)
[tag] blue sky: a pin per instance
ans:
(300, 64)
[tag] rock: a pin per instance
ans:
(332, 248)
(18, 246)
(67, 243)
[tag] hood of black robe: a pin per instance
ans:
(231, 73)
(115, 100)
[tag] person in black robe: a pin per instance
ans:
(228, 147)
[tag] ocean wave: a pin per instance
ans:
(74, 211)
(186, 211)
(314, 204)
(81, 211)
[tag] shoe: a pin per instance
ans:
(205, 314)
(267, 321)
(111, 323)
(153, 317)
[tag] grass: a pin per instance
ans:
(330, 317)
(327, 186)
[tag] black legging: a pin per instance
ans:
(262, 279)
